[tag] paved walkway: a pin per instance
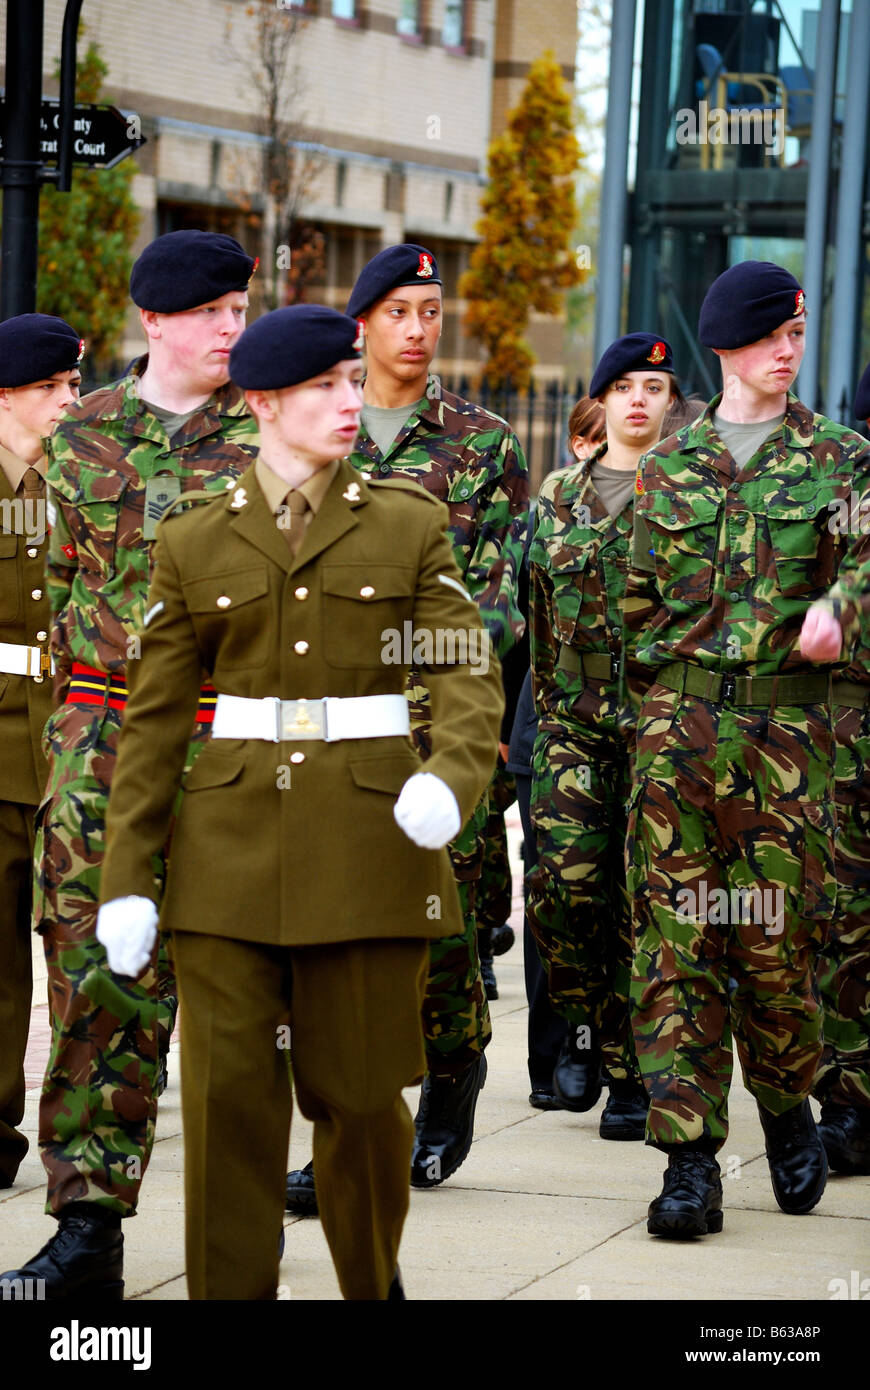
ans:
(542, 1209)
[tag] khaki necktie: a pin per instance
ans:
(294, 533)
(34, 505)
(34, 485)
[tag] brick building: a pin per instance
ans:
(393, 103)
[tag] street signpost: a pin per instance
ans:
(41, 139)
(102, 135)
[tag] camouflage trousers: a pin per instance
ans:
(843, 970)
(730, 865)
(97, 1110)
(495, 891)
(456, 1023)
(577, 906)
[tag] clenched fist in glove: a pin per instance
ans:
(127, 927)
(427, 811)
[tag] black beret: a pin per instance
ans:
(635, 352)
(34, 346)
(747, 302)
(292, 345)
(394, 266)
(182, 270)
(861, 408)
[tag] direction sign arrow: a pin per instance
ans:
(102, 135)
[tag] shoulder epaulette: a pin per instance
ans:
(403, 484)
(199, 496)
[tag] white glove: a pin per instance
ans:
(127, 927)
(427, 811)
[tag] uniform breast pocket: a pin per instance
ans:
(10, 584)
(801, 545)
(99, 506)
(233, 617)
(366, 608)
(685, 537)
(572, 577)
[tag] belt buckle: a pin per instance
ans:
(303, 719)
(38, 664)
(729, 686)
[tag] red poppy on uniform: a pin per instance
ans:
(69, 551)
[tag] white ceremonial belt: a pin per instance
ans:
(19, 660)
(329, 719)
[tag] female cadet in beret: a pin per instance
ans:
(308, 865)
(577, 904)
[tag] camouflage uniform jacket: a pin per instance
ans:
(101, 456)
(578, 569)
(724, 567)
(473, 461)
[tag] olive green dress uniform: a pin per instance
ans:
(290, 881)
(25, 704)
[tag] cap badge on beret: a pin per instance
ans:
(658, 353)
(360, 335)
(254, 269)
(81, 349)
(424, 269)
(799, 302)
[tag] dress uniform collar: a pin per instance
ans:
(275, 489)
(254, 519)
(15, 468)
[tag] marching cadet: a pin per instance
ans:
(577, 903)
(412, 428)
(285, 592)
(730, 850)
(843, 1080)
(173, 425)
(39, 371)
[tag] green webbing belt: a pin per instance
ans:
(851, 694)
(596, 666)
(682, 676)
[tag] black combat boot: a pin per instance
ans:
(624, 1115)
(502, 939)
(577, 1073)
(845, 1132)
(690, 1202)
(300, 1195)
(796, 1156)
(484, 950)
(444, 1125)
(83, 1259)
